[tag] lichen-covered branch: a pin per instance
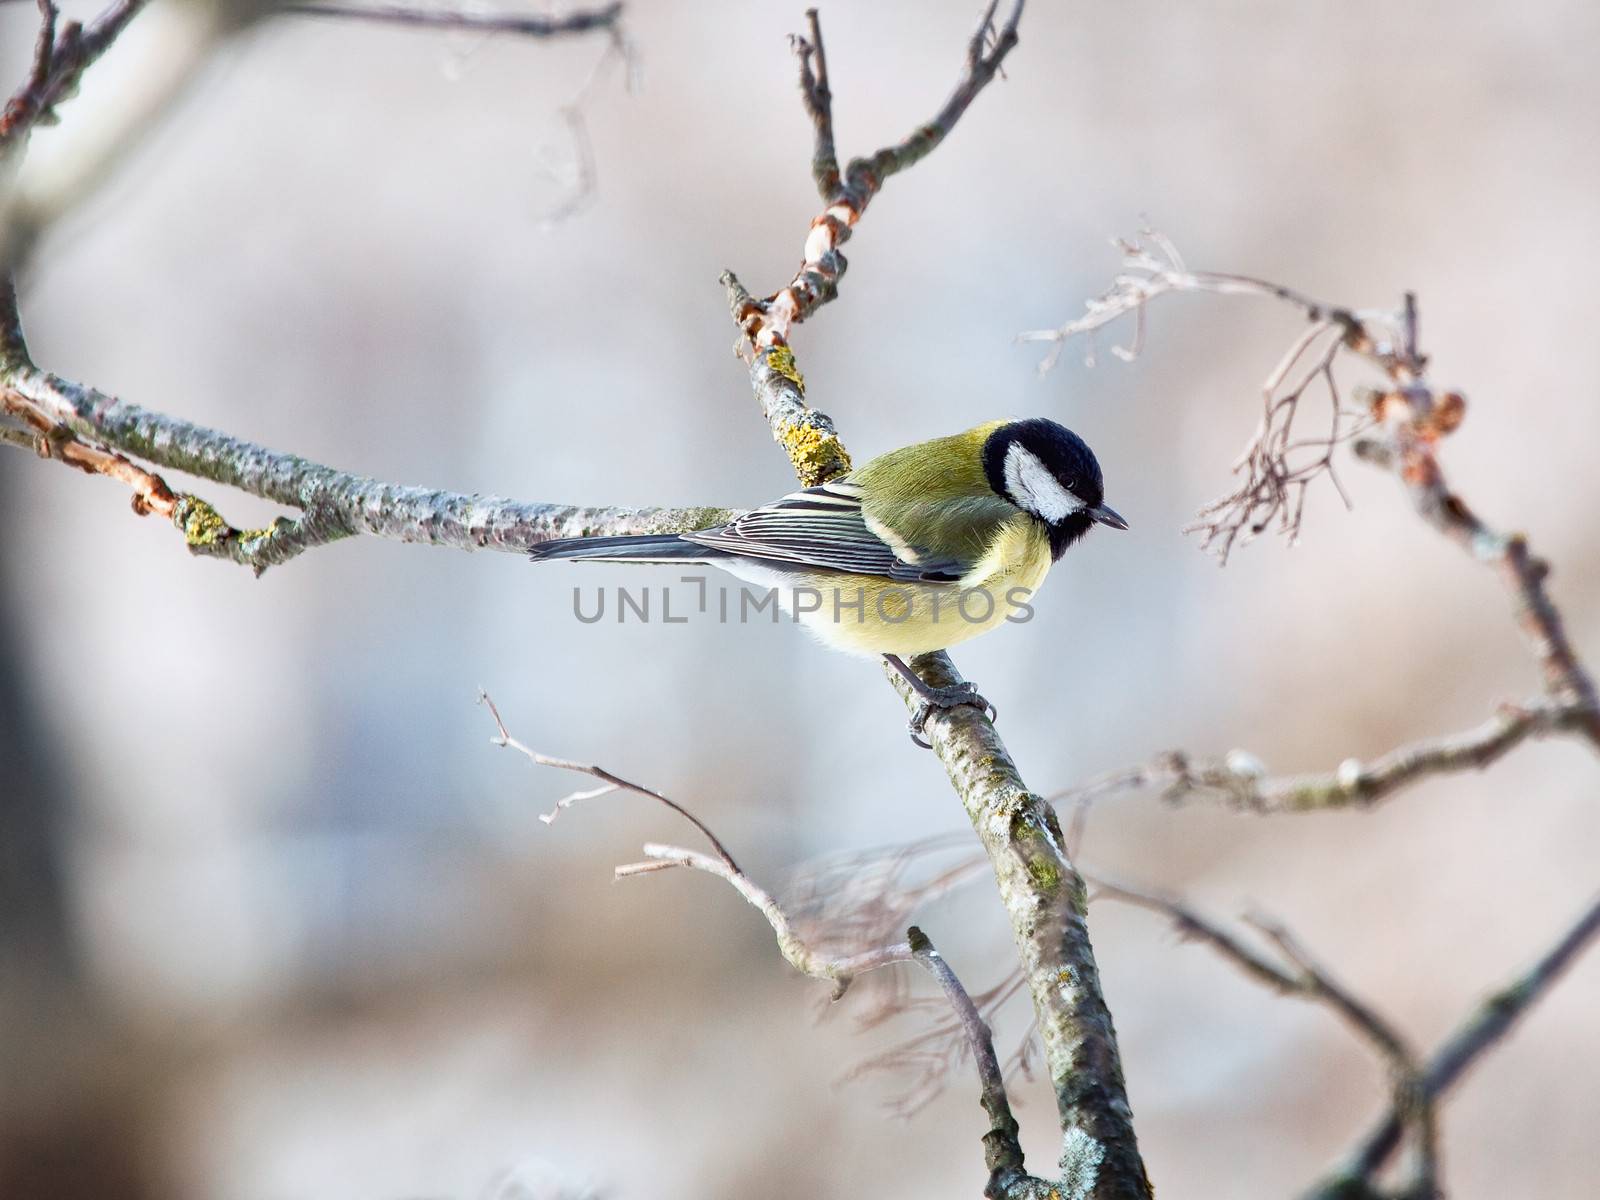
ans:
(1046, 901)
(334, 503)
(1240, 781)
(538, 25)
(1042, 893)
(808, 436)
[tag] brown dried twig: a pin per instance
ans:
(846, 194)
(1399, 426)
(59, 61)
(806, 434)
(1277, 465)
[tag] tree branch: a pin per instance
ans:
(1002, 1151)
(1305, 978)
(504, 740)
(1047, 902)
(1479, 1033)
(1402, 421)
(335, 504)
(1240, 781)
(1043, 894)
(536, 25)
(767, 322)
(94, 432)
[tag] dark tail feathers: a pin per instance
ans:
(649, 547)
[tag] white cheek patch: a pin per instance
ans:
(1035, 488)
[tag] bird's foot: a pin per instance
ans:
(934, 699)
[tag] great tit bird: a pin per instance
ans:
(917, 550)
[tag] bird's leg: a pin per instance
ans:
(953, 696)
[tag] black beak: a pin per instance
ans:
(1106, 515)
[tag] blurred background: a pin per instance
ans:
(278, 920)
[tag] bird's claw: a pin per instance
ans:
(954, 696)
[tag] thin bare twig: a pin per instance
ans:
(1241, 781)
(504, 739)
(1306, 978)
(840, 970)
(1276, 467)
(1480, 1032)
(1002, 1151)
(537, 25)
(846, 194)
(817, 96)
(59, 62)
(1398, 426)
(812, 956)
(1008, 1178)
(1041, 891)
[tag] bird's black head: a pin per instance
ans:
(1047, 470)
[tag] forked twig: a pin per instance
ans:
(504, 739)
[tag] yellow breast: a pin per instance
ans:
(867, 614)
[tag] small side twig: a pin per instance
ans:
(817, 96)
(504, 739)
(59, 61)
(1008, 1177)
(1002, 1151)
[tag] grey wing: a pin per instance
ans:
(826, 527)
